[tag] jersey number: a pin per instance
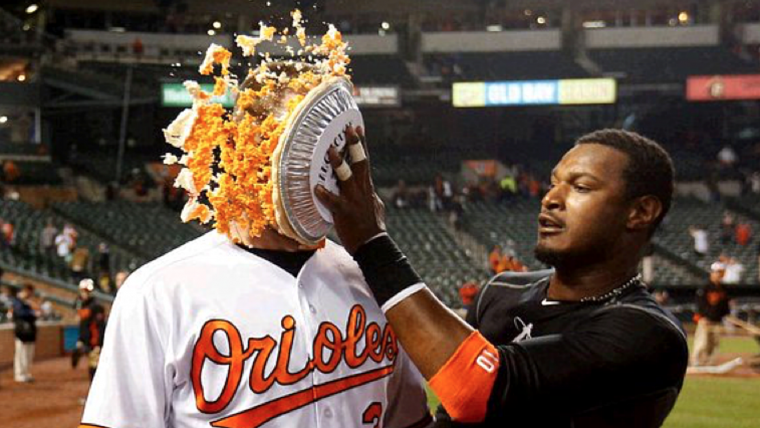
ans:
(487, 361)
(373, 414)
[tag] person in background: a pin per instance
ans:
(734, 270)
(63, 246)
(494, 259)
(80, 264)
(47, 238)
(137, 47)
(47, 312)
(24, 314)
(8, 231)
(712, 306)
(743, 233)
(510, 263)
(467, 293)
(726, 228)
(701, 242)
(401, 196)
(119, 279)
(7, 294)
(81, 306)
(69, 230)
(727, 156)
(92, 327)
(104, 266)
(662, 297)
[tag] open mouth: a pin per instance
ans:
(549, 225)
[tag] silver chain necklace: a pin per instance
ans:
(614, 292)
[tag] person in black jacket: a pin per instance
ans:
(25, 328)
(92, 326)
(586, 346)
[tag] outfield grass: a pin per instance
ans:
(733, 345)
(717, 402)
(711, 402)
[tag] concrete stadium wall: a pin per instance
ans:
(748, 33)
(484, 41)
(49, 342)
(646, 37)
(155, 43)
(151, 41)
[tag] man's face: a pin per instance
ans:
(585, 212)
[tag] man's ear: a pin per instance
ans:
(644, 212)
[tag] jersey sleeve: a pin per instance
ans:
(619, 353)
(133, 383)
(407, 400)
(616, 354)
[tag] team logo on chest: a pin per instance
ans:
(331, 347)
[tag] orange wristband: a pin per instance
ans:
(465, 382)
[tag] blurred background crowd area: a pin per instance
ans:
(86, 88)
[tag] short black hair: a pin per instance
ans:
(649, 171)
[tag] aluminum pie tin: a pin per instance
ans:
(300, 161)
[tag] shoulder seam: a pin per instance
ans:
(161, 268)
(508, 285)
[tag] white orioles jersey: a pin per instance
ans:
(211, 335)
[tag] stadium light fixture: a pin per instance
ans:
(217, 25)
(594, 24)
(211, 32)
(32, 8)
(494, 28)
(3, 119)
(541, 20)
(683, 17)
(385, 26)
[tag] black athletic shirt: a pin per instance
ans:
(289, 261)
(618, 363)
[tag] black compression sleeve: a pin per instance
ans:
(385, 268)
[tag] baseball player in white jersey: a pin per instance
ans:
(218, 335)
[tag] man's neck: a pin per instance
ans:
(576, 284)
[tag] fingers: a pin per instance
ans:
(340, 167)
(329, 199)
(356, 147)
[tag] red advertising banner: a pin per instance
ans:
(721, 88)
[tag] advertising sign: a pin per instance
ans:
(535, 92)
(722, 88)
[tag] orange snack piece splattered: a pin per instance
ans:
(228, 159)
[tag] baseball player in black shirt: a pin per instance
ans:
(586, 346)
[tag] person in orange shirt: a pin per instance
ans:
(495, 259)
(509, 262)
(7, 231)
(467, 293)
(743, 233)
